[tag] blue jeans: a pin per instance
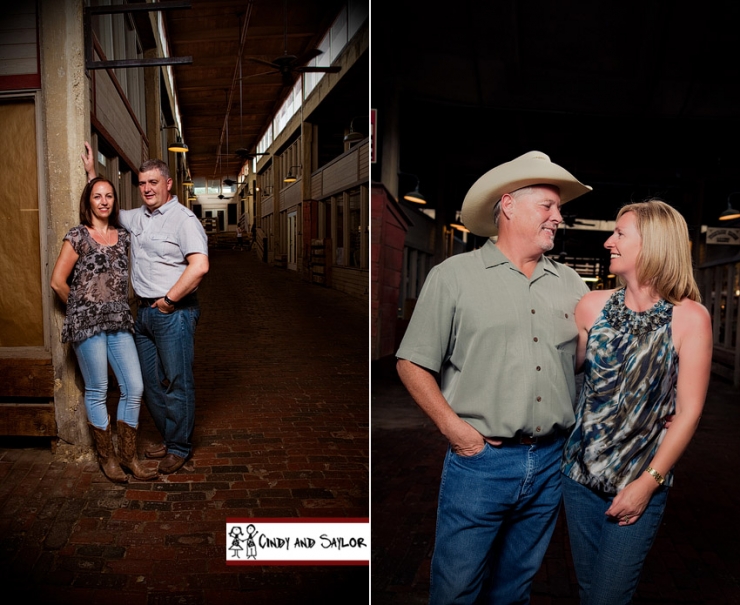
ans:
(166, 346)
(496, 514)
(93, 356)
(608, 558)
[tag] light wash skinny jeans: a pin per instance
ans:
(93, 355)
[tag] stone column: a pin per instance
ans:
(65, 111)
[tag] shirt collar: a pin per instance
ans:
(168, 205)
(493, 257)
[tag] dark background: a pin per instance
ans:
(635, 99)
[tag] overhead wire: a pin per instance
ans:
(235, 78)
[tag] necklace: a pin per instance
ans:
(103, 235)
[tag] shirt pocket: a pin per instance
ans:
(165, 244)
(564, 329)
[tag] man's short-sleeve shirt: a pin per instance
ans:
(160, 243)
(503, 344)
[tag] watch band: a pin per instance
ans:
(169, 302)
(655, 474)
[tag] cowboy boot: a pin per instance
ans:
(157, 450)
(127, 452)
(107, 454)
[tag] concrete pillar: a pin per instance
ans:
(65, 107)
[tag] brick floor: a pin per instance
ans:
(696, 558)
(281, 431)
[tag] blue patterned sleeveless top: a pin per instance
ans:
(629, 387)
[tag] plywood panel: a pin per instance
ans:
(35, 420)
(21, 319)
(26, 376)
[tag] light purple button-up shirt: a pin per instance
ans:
(160, 242)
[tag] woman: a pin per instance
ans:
(91, 278)
(619, 458)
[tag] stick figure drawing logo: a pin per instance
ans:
(238, 536)
(297, 541)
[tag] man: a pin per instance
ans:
(169, 258)
(497, 326)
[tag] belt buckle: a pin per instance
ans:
(528, 439)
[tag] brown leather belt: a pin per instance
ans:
(190, 299)
(521, 439)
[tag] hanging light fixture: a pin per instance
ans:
(731, 213)
(291, 178)
(458, 224)
(353, 136)
(415, 196)
(178, 146)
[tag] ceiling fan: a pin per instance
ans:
(288, 65)
(244, 154)
(571, 220)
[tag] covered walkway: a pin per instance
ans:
(281, 431)
(696, 557)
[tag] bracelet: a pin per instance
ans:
(169, 302)
(655, 474)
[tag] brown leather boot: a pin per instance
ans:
(127, 452)
(157, 450)
(107, 454)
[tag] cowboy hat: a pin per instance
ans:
(532, 168)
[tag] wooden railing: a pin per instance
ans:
(719, 283)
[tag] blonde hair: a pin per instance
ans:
(665, 259)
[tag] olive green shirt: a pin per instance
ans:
(503, 344)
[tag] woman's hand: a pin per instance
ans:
(632, 501)
(88, 162)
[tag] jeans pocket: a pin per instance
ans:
(477, 456)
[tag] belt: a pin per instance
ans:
(190, 299)
(522, 439)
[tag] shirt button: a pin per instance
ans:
(566, 316)
(535, 339)
(532, 311)
(538, 368)
(538, 429)
(539, 398)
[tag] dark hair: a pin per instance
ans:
(86, 211)
(155, 164)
